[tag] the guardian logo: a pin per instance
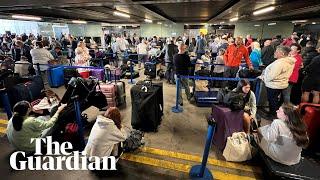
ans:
(57, 156)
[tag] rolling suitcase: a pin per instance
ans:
(310, 115)
(159, 92)
(98, 73)
(146, 107)
(55, 76)
(120, 92)
(109, 90)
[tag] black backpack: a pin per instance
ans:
(231, 99)
(134, 141)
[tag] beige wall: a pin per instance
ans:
(282, 28)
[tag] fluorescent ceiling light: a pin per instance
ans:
(26, 17)
(272, 24)
(222, 22)
(264, 10)
(121, 14)
(257, 25)
(119, 27)
(314, 23)
(187, 24)
(234, 19)
(299, 21)
(215, 24)
(79, 22)
(148, 20)
(159, 23)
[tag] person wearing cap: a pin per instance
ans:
(290, 40)
(232, 58)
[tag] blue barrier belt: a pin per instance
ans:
(216, 78)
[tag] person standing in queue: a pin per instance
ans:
(182, 65)
(232, 58)
(276, 77)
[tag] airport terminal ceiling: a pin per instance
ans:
(182, 11)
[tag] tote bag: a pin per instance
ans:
(238, 148)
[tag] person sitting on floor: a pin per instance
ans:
(22, 127)
(284, 139)
(250, 108)
(106, 135)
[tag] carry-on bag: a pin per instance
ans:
(146, 107)
(55, 76)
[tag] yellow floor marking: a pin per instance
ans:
(3, 130)
(178, 166)
(3, 121)
(194, 158)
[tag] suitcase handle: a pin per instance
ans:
(302, 106)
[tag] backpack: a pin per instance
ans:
(134, 141)
(231, 99)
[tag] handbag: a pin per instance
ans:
(238, 148)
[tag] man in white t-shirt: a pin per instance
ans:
(142, 52)
(42, 56)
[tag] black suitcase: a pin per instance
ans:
(146, 107)
(159, 92)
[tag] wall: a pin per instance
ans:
(282, 28)
(149, 30)
(18, 27)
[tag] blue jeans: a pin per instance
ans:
(274, 99)
(184, 82)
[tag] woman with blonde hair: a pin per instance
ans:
(82, 55)
(255, 55)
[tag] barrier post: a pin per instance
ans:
(79, 121)
(177, 108)
(131, 73)
(6, 102)
(200, 171)
(257, 90)
(38, 69)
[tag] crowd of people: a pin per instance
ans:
(287, 64)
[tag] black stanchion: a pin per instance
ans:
(200, 171)
(6, 102)
(79, 121)
(38, 69)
